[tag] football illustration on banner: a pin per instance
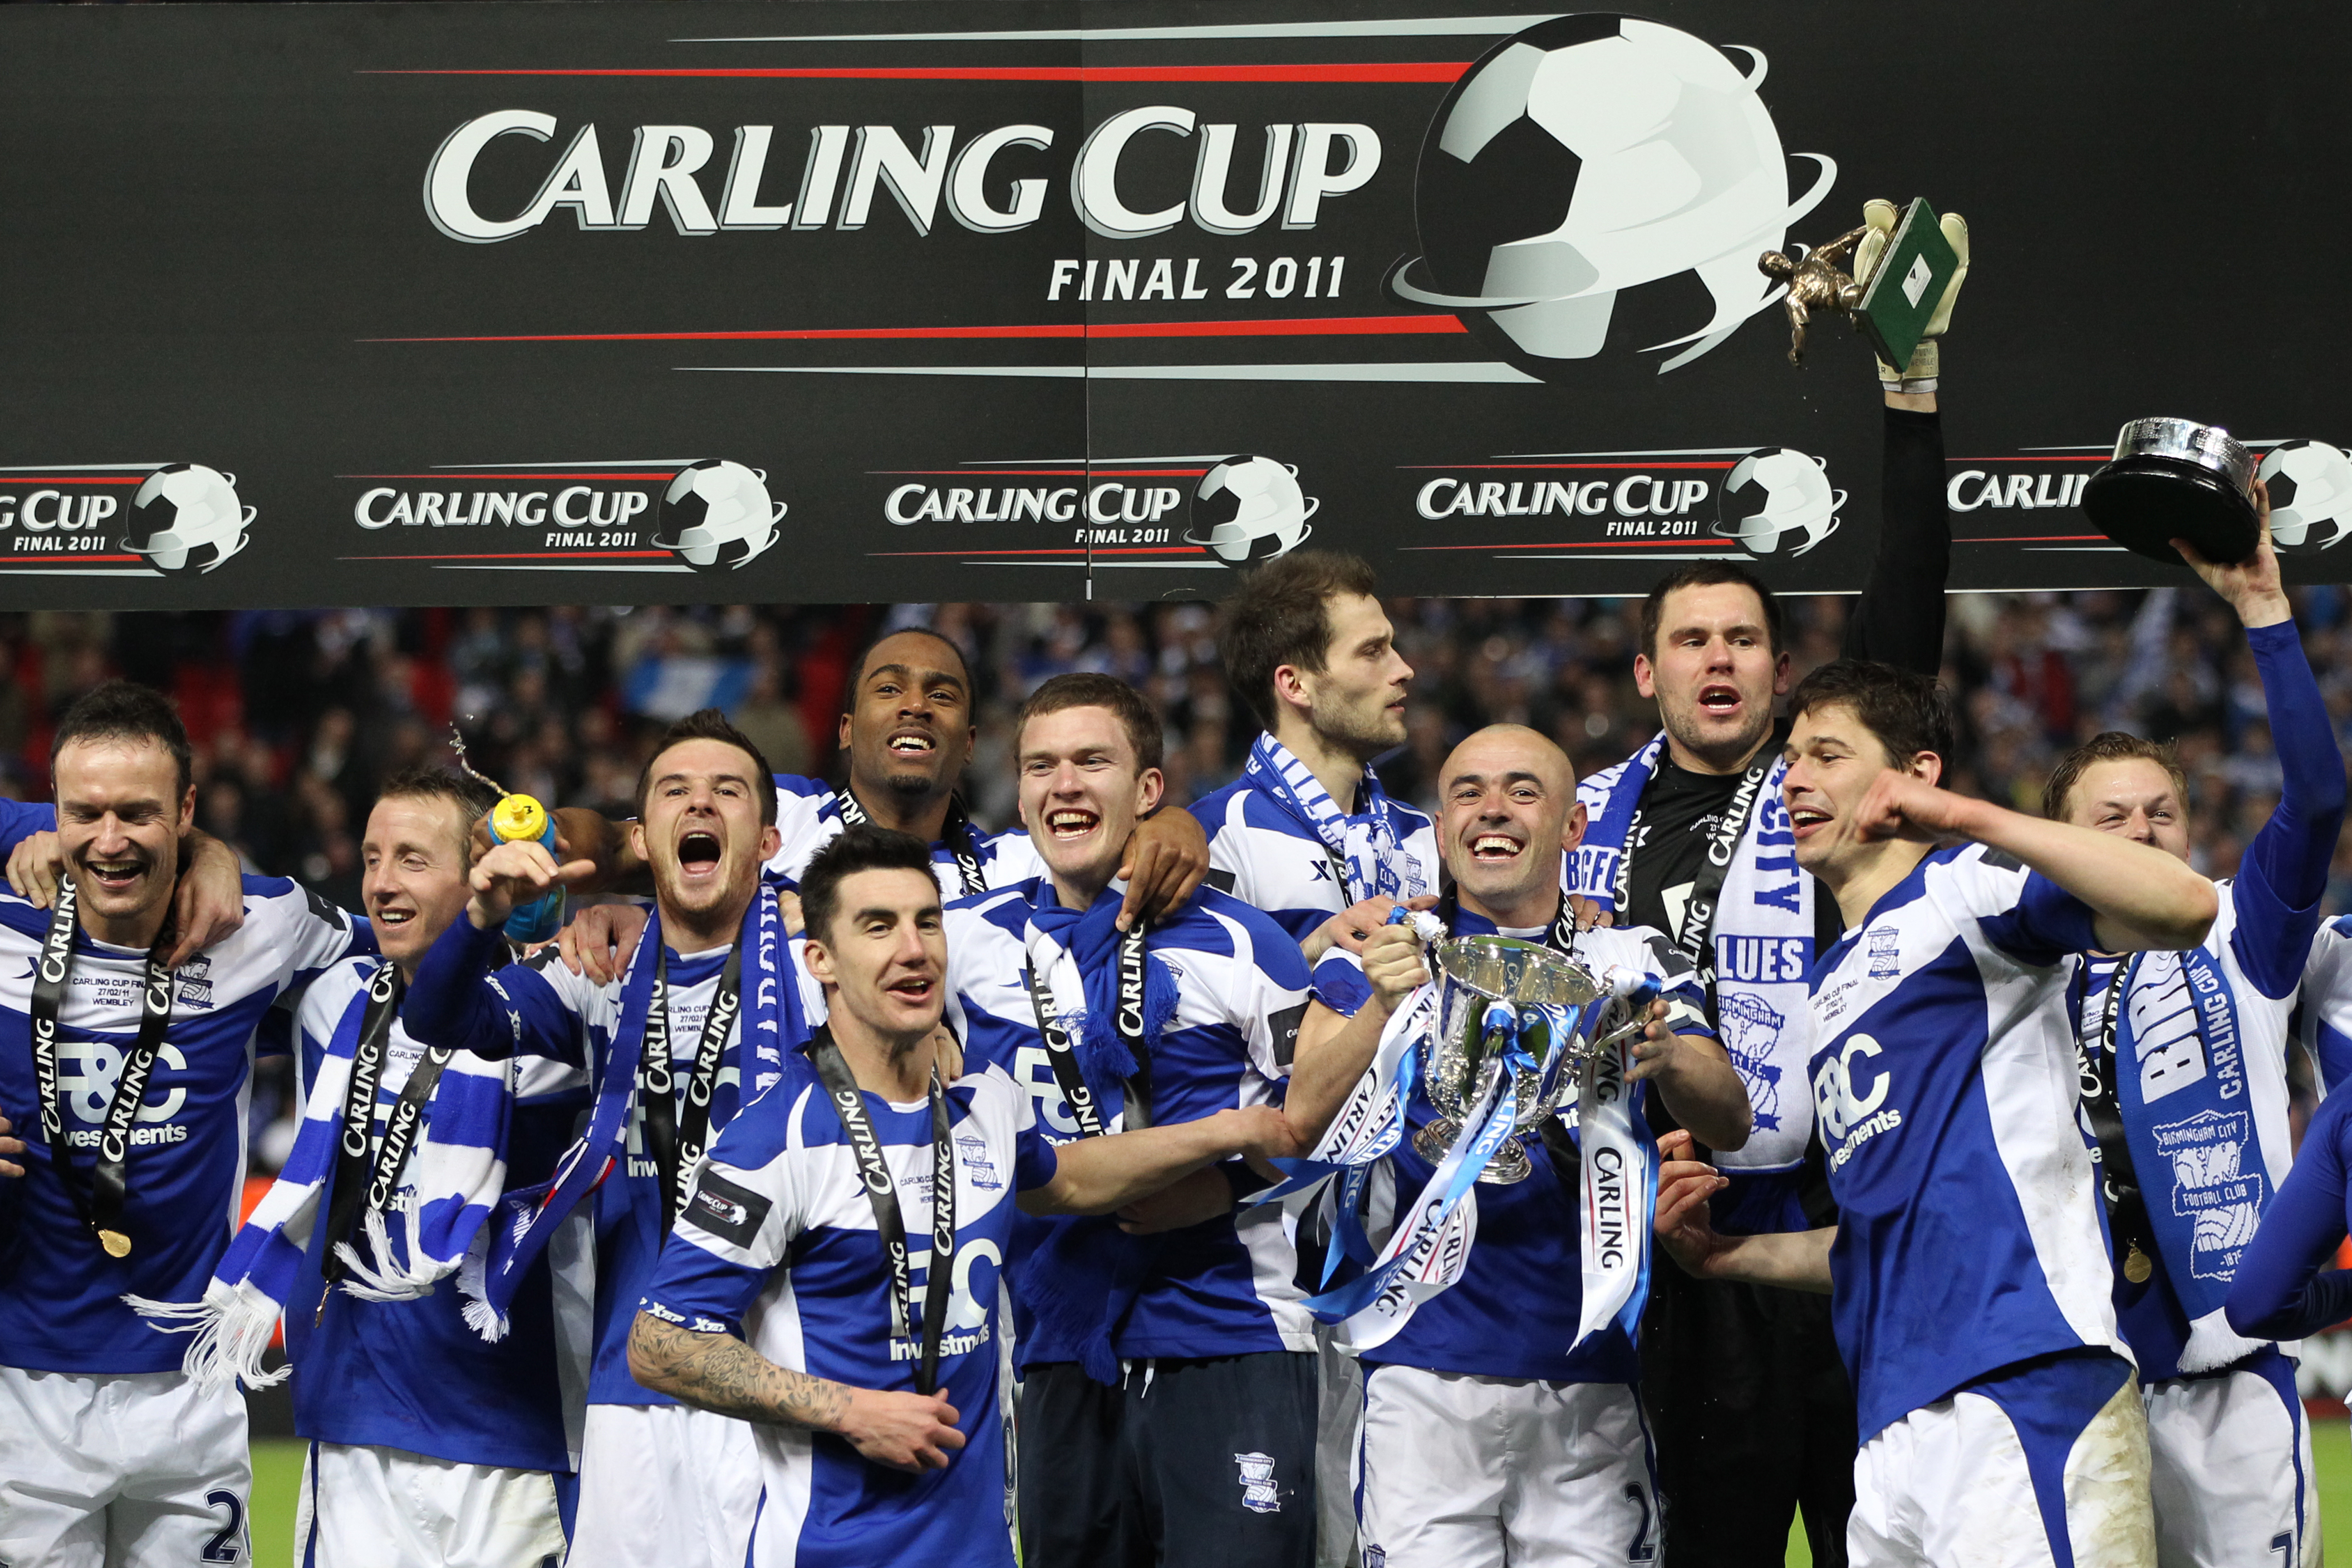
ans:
(716, 515)
(2311, 495)
(1777, 501)
(1249, 508)
(186, 520)
(1590, 154)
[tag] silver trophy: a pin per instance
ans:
(1462, 1060)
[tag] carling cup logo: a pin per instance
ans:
(1249, 508)
(1777, 501)
(186, 520)
(1590, 154)
(716, 515)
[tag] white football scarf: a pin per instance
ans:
(451, 1180)
(1761, 936)
(1367, 847)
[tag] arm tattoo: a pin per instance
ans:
(720, 1372)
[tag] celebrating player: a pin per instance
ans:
(699, 1023)
(869, 1376)
(129, 1081)
(1968, 1270)
(2184, 1089)
(1148, 1363)
(1494, 1429)
(1744, 1386)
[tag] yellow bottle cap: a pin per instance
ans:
(517, 817)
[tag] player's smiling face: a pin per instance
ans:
(1082, 792)
(2135, 798)
(1509, 809)
(1356, 702)
(413, 861)
(120, 813)
(701, 829)
(1833, 758)
(909, 731)
(884, 959)
(1714, 672)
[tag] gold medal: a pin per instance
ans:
(117, 1245)
(2137, 1266)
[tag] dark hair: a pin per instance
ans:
(862, 848)
(2109, 746)
(471, 796)
(1902, 707)
(126, 710)
(1707, 575)
(858, 666)
(710, 724)
(1088, 690)
(1282, 614)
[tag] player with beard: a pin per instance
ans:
(1745, 1388)
(695, 1025)
(1494, 1431)
(787, 1298)
(127, 1080)
(2184, 1089)
(908, 733)
(1968, 1272)
(1307, 834)
(1167, 1381)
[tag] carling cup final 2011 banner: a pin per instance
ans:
(848, 300)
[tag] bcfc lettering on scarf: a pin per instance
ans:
(1852, 1119)
(722, 1208)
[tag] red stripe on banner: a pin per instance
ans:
(2032, 539)
(530, 556)
(1125, 550)
(1434, 71)
(1514, 467)
(36, 560)
(664, 474)
(1610, 544)
(1283, 327)
(64, 479)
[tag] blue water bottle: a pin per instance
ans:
(517, 817)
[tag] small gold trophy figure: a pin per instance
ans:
(1814, 283)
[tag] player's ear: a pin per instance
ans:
(1927, 766)
(1571, 832)
(1150, 786)
(1645, 678)
(1783, 673)
(637, 839)
(188, 809)
(772, 839)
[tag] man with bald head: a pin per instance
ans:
(1495, 1428)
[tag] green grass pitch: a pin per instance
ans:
(278, 1478)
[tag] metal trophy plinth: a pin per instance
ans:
(2175, 479)
(1463, 1059)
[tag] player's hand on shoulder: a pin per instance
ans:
(1590, 913)
(1167, 858)
(1395, 963)
(209, 906)
(906, 1431)
(597, 942)
(788, 910)
(12, 1149)
(35, 867)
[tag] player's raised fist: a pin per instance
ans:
(516, 873)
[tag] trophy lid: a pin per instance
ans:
(1525, 973)
(2175, 479)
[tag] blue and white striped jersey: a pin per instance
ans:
(1520, 1301)
(809, 816)
(1221, 1287)
(1944, 1079)
(1269, 860)
(778, 1244)
(412, 1376)
(539, 1007)
(61, 1307)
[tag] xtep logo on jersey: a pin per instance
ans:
(594, 514)
(120, 519)
(1104, 513)
(1560, 166)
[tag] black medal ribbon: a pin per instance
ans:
(2119, 1190)
(677, 1140)
(1062, 1056)
(958, 836)
(1698, 914)
(882, 1192)
(101, 1208)
(367, 1168)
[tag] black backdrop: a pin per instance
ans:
(216, 250)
